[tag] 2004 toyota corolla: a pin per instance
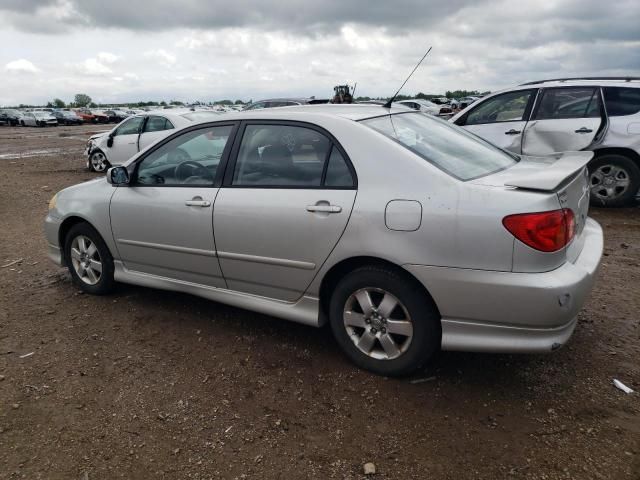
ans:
(404, 232)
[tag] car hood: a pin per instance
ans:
(96, 136)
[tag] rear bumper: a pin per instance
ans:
(488, 311)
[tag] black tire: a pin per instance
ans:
(627, 169)
(106, 282)
(427, 330)
(97, 168)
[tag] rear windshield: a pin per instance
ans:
(448, 147)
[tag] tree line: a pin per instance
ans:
(81, 100)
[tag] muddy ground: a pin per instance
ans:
(147, 384)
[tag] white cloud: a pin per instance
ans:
(162, 56)
(92, 66)
(107, 57)
(21, 66)
(198, 50)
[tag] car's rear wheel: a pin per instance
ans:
(614, 180)
(88, 259)
(384, 321)
(98, 162)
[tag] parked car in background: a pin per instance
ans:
(116, 116)
(11, 116)
(66, 117)
(601, 115)
(426, 106)
(441, 101)
(284, 102)
(404, 232)
(38, 119)
(134, 134)
(92, 116)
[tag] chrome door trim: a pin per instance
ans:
(169, 248)
(282, 262)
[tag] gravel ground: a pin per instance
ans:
(147, 384)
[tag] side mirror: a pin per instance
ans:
(110, 140)
(118, 176)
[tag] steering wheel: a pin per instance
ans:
(191, 168)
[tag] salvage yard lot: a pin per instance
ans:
(152, 384)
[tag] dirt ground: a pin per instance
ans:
(147, 384)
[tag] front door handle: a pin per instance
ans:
(584, 130)
(324, 208)
(512, 132)
(197, 202)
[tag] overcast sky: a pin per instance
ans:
(130, 50)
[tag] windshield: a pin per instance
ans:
(446, 146)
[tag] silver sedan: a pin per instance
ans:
(403, 232)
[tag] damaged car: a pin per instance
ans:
(117, 145)
(600, 115)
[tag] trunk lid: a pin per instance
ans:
(546, 173)
(563, 175)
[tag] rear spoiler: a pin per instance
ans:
(561, 167)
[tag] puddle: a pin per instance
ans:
(37, 153)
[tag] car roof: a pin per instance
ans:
(285, 99)
(304, 112)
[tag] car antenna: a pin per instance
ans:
(388, 104)
(353, 92)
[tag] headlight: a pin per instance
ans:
(53, 202)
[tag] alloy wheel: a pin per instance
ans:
(99, 161)
(609, 182)
(377, 323)
(86, 260)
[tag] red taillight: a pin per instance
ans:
(544, 231)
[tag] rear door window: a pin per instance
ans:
(560, 103)
(288, 156)
(157, 124)
(621, 101)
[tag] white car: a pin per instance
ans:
(38, 119)
(598, 114)
(425, 106)
(134, 134)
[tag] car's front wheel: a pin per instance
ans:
(98, 162)
(614, 180)
(88, 260)
(384, 321)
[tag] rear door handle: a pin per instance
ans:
(197, 202)
(512, 132)
(324, 208)
(584, 130)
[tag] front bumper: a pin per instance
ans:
(51, 229)
(488, 311)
